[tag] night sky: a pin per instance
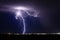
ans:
(49, 20)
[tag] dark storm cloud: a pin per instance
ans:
(49, 12)
(50, 15)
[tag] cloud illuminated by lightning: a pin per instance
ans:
(19, 13)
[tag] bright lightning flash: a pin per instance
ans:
(18, 11)
(18, 15)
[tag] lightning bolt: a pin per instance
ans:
(18, 15)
